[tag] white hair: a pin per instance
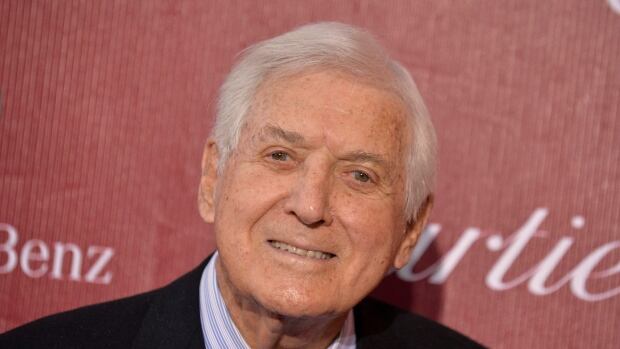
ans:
(343, 48)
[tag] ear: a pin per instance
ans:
(208, 181)
(412, 233)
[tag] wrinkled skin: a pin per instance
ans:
(320, 166)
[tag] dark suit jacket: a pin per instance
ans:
(169, 317)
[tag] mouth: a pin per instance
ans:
(300, 251)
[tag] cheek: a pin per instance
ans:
(371, 226)
(376, 229)
(245, 194)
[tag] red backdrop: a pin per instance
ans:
(105, 107)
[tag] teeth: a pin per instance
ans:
(300, 251)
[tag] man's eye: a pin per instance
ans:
(279, 156)
(361, 176)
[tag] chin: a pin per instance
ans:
(290, 302)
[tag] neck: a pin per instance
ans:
(263, 328)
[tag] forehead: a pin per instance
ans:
(332, 108)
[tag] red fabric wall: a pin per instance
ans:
(105, 107)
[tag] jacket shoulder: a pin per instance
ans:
(105, 325)
(167, 317)
(380, 325)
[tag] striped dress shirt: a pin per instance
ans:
(218, 329)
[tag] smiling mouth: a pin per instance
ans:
(300, 251)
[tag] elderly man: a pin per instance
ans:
(317, 179)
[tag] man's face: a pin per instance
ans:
(308, 212)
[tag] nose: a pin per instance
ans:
(308, 200)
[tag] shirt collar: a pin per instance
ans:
(218, 329)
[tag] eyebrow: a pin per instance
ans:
(279, 133)
(297, 138)
(362, 156)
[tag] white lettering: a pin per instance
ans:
(35, 256)
(454, 256)
(495, 277)
(30, 253)
(34, 260)
(583, 271)
(444, 267)
(8, 248)
(105, 255)
(60, 250)
(426, 239)
(546, 267)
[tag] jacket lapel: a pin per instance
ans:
(173, 319)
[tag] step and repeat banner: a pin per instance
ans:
(105, 107)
